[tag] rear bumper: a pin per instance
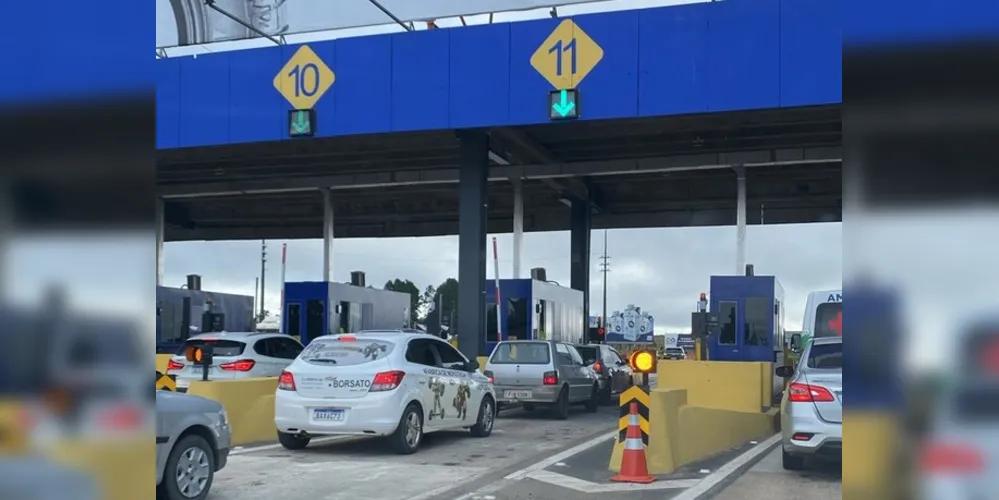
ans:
(368, 416)
(540, 394)
(824, 439)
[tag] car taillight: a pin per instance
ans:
(243, 365)
(551, 378)
(598, 367)
(387, 381)
(286, 382)
(804, 393)
(174, 365)
(121, 418)
(489, 374)
(940, 458)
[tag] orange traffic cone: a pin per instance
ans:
(634, 468)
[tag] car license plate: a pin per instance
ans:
(517, 394)
(328, 415)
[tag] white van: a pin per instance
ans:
(823, 316)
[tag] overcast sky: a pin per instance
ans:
(660, 270)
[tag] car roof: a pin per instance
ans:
(405, 333)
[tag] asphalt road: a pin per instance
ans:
(767, 480)
(447, 463)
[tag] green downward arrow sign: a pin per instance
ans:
(563, 107)
(300, 124)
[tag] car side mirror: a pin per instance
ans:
(784, 371)
(472, 366)
(796, 342)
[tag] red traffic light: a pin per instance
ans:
(600, 332)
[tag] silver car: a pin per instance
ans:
(812, 405)
(192, 443)
(542, 373)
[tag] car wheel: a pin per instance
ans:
(487, 416)
(293, 441)
(561, 408)
(791, 462)
(190, 469)
(593, 404)
(409, 434)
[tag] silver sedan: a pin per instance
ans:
(812, 405)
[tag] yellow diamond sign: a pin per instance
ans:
(566, 56)
(305, 79)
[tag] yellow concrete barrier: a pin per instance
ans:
(869, 453)
(249, 403)
(482, 361)
(681, 433)
(724, 385)
(105, 460)
(161, 362)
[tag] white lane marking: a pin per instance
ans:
(728, 469)
(584, 486)
(559, 457)
(239, 450)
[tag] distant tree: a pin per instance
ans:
(445, 300)
(406, 286)
(427, 302)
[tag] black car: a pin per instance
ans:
(614, 373)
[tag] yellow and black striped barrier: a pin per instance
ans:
(166, 382)
(634, 394)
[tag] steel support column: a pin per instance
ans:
(740, 222)
(327, 234)
(473, 180)
(518, 225)
(159, 241)
(579, 267)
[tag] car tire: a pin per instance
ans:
(593, 404)
(199, 457)
(409, 434)
(561, 408)
(487, 417)
(293, 441)
(791, 462)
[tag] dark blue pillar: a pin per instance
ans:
(579, 267)
(473, 176)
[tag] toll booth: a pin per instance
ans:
(533, 309)
(749, 316)
(316, 308)
(183, 312)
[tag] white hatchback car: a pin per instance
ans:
(236, 355)
(399, 384)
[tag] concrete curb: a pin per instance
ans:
(728, 474)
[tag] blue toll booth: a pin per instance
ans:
(316, 308)
(750, 312)
(533, 309)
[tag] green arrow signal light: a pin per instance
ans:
(302, 122)
(563, 104)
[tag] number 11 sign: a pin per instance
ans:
(566, 56)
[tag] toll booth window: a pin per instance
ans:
(826, 356)
(828, 320)
(294, 319)
(516, 319)
(490, 329)
(726, 322)
(757, 321)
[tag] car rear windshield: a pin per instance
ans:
(219, 347)
(829, 320)
(826, 356)
(674, 350)
(346, 352)
(589, 354)
(522, 353)
(980, 404)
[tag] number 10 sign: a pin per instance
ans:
(305, 79)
